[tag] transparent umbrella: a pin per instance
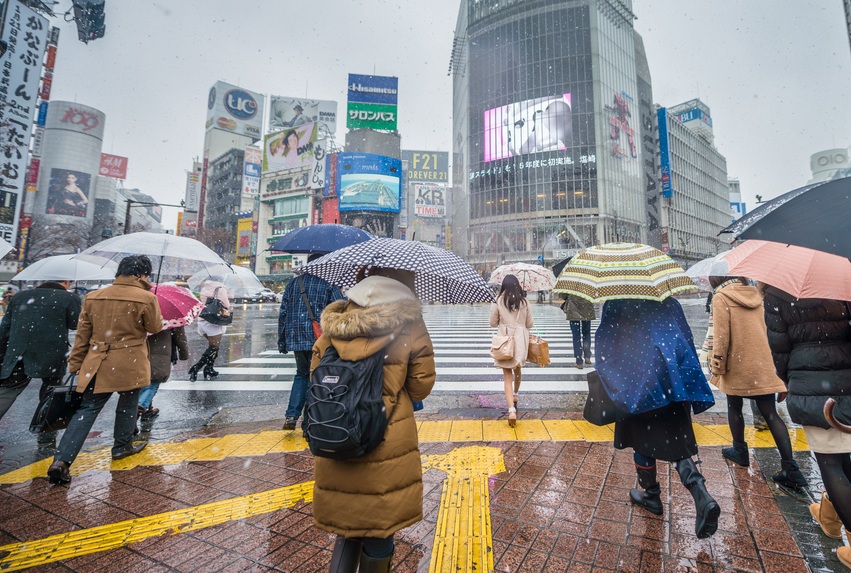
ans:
(65, 268)
(239, 281)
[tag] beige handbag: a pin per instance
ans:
(502, 347)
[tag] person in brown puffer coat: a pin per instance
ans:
(366, 500)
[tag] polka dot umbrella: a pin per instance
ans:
(623, 271)
(441, 276)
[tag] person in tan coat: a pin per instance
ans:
(742, 367)
(513, 317)
(366, 500)
(110, 354)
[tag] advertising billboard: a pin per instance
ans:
(429, 200)
(251, 170)
(426, 166)
(530, 126)
(368, 182)
(234, 109)
(112, 166)
(287, 112)
(372, 102)
(244, 224)
(68, 192)
(290, 148)
(25, 38)
(664, 153)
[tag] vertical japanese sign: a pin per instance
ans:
(664, 154)
(25, 34)
(251, 171)
(244, 224)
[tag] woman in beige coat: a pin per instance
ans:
(366, 500)
(742, 367)
(513, 317)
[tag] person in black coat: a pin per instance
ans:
(810, 342)
(34, 340)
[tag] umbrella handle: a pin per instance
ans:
(828, 415)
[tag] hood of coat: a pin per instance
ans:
(357, 330)
(742, 295)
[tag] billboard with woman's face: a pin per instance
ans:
(290, 148)
(68, 193)
(531, 126)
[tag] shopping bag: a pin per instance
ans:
(599, 408)
(59, 404)
(539, 351)
(502, 347)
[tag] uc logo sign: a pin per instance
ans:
(240, 104)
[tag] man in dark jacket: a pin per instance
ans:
(579, 312)
(34, 341)
(295, 332)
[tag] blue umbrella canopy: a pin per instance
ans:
(320, 239)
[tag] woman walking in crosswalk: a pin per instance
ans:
(513, 317)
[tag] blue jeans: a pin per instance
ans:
(581, 331)
(146, 395)
(298, 395)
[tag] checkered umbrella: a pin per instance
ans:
(532, 277)
(441, 276)
(623, 271)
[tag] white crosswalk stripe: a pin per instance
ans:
(461, 343)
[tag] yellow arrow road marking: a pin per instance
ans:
(463, 539)
(18, 556)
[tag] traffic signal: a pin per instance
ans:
(90, 18)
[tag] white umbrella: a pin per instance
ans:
(715, 266)
(171, 255)
(531, 277)
(65, 268)
(239, 281)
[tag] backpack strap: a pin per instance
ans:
(306, 300)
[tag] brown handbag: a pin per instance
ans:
(502, 347)
(539, 351)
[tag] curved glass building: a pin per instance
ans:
(552, 103)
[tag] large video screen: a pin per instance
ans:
(368, 182)
(530, 126)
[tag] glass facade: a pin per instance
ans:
(550, 152)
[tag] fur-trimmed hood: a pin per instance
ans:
(359, 331)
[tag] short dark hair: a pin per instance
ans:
(134, 266)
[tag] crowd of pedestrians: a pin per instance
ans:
(766, 346)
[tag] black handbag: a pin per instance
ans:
(59, 404)
(214, 311)
(599, 408)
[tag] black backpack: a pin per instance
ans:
(345, 415)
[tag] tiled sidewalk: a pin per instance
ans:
(557, 506)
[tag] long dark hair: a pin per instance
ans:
(512, 293)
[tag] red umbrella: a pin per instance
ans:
(802, 272)
(178, 305)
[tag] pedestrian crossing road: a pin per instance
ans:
(461, 338)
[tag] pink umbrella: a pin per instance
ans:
(802, 272)
(178, 305)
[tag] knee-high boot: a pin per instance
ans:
(209, 371)
(344, 558)
(707, 509)
(648, 496)
(203, 362)
(372, 565)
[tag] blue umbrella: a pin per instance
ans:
(320, 239)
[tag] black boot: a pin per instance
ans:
(790, 476)
(738, 454)
(344, 558)
(648, 496)
(193, 371)
(209, 371)
(708, 510)
(372, 565)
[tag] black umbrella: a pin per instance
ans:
(320, 239)
(817, 217)
(559, 266)
(441, 276)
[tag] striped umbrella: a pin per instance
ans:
(623, 271)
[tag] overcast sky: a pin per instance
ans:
(776, 75)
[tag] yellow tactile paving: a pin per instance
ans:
(266, 442)
(18, 556)
(463, 539)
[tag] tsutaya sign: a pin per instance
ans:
(372, 102)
